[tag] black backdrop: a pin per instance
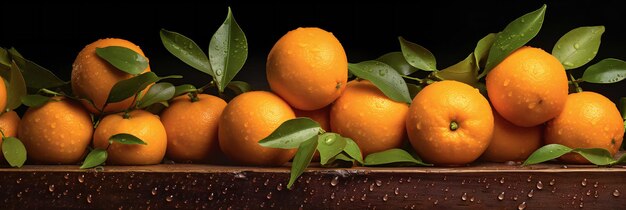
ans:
(53, 34)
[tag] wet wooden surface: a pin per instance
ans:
(186, 186)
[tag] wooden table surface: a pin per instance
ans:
(193, 186)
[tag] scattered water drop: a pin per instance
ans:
(372, 187)
(211, 197)
(334, 181)
(385, 197)
(269, 196)
(51, 188)
(584, 183)
(169, 198)
(332, 196)
(436, 202)
(89, 198)
(18, 180)
(267, 181)
(154, 191)
(530, 193)
(506, 82)
(279, 187)
(81, 178)
(595, 184)
(379, 183)
(576, 46)
(363, 197)
(530, 178)
(522, 206)
(501, 196)
(464, 197)
(567, 63)
(218, 72)
(539, 185)
(552, 182)
(487, 186)
(406, 196)
(515, 197)
(396, 191)
(588, 193)
(502, 180)
(616, 193)
(581, 205)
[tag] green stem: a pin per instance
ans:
(2, 132)
(413, 78)
(126, 115)
(454, 126)
(203, 88)
(46, 91)
(575, 82)
(193, 96)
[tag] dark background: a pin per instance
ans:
(53, 34)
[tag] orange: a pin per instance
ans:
(246, 120)
(449, 123)
(511, 142)
(93, 77)
(56, 133)
(321, 116)
(142, 124)
(364, 114)
(308, 68)
(9, 121)
(528, 88)
(589, 120)
(3, 95)
(191, 127)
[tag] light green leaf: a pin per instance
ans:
(291, 133)
(465, 71)
(597, 156)
(125, 138)
(124, 59)
(397, 62)
(239, 87)
(34, 100)
(515, 35)
(186, 50)
(158, 92)
(14, 151)
(35, 76)
(481, 51)
(384, 77)
(184, 89)
(228, 51)
(418, 56)
(392, 156)
(609, 70)
(579, 46)
(95, 158)
(16, 88)
(545, 153)
(329, 145)
(131, 86)
(353, 150)
(302, 159)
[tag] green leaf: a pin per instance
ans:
(514, 35)
(481, 51)
(228, 51)
(123, 59)
(579, 46)
(186, 50)
(131, 86)
(418, 56)
(340, 160)
(183, 89)
(622, 107)
(5, 62)
(392, 156)
(413, 89)
(464, 71)
(158, 92)
(609, 70)
(302, 159)
(620, 160)
(34, 100)
(95, 158)
(14, 151)
(239, 87)
(16, 88)
(157, 108)
(353, 150)
(384, 77)
(329, 145)
(545, 153)
(35, 76)
(125, 138)
(597, 156)
(397, 62)
(291, 133)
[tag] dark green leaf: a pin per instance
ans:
(384, 77)
(545, 153)
(418, 56)
(95, 158)
(158, 92)
(577, 47)
(339, 160)
(596, 156)
(239, 87)
(481, 51)
(292, 133)
(157, 108)
(302, 159)
(413, 89)
(228, 51)
(620, 160)
(186, 50)
(397, 62)
(622, 107)
(609, 70)
(34, 100)
(35, 76)
(123, 59)
(131, 86)
(14, 151)
(515, 35)
(16, 88)
(353, 150)
(329, 145)
(392, 156)
(183, 89)
(465, 71)
(5, 62)
(125, 138)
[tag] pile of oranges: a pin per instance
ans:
(448, 122)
